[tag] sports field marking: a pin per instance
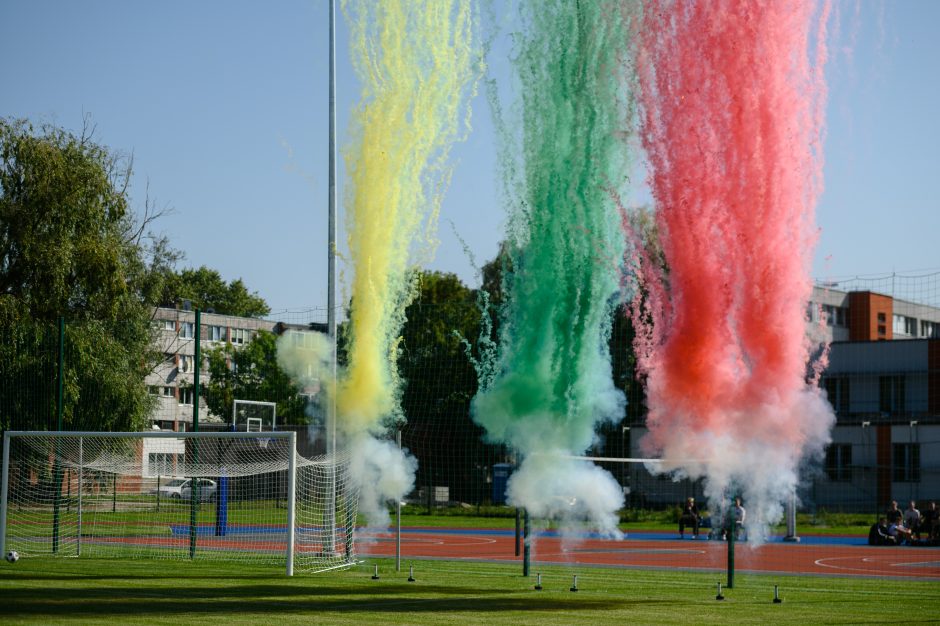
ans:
(877, 565)
(633, 553)
(919, 564)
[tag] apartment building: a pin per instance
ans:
(172, 380)
(883, 382)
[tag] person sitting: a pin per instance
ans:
(878, 534)
(912, 519)
(900, 533)
(689, 517)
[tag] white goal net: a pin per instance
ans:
(242, 496)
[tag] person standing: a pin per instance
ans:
(912, 519)
(931, 522)
(739, 516)
(689, 517)
(893, 514)
(734, 521)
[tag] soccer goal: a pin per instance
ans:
(246, 497)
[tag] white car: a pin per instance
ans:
(182, 489)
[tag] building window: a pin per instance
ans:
(837, 391)
(241, 335)
(835, 315)
(164, 463)
(906, 462)
(882, 318)
(891, 394)
(169, 325)
(930, 330)
(186, 330)
(839, 462)
(153, 390)
(217, 333)
(904, 325)
(168, 392)
(186, 395)
(187, 362)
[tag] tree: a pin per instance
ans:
(439, 382)
(62, 206)
(251, 372)
(206, 289)
(67, 249)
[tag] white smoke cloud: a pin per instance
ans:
(556, 486)
(380, 471)
(761, 468)
(383, 472)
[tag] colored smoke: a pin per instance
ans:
(417, 63)
(731, 100)
(552, 381)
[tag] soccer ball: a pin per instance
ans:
(13, 556)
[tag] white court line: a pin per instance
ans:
(443, 541)
(821, 563)
(933, 562)
(878, 561)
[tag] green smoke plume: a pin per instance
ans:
(564, 161)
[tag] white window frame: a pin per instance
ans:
(187, 330)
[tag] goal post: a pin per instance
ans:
(130, 495)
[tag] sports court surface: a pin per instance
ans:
(814, 554)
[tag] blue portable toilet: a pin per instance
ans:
(501, 474)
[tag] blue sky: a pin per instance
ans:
(223, 105)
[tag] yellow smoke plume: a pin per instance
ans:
(418, 64)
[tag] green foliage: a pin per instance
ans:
(251, 372)
(70, 248)
(439, 383)
(62, 208)
(206, 289)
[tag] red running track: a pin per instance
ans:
(794, 558)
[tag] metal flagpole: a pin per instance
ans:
(331, 288)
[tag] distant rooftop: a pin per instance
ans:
(918, 287)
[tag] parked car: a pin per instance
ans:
(182, 489)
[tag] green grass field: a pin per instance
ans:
(44, 590)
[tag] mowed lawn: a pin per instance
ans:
(43, 590)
